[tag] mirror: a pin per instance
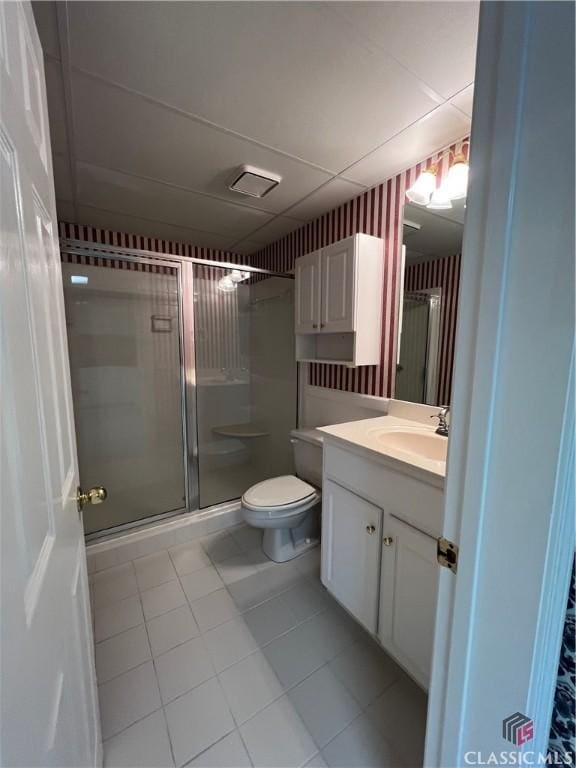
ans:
(433, 244)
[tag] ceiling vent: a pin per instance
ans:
(254, 181)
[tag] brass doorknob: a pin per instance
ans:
(95, 495)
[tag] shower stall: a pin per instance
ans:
(184, 379)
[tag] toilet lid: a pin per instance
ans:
(278, 491)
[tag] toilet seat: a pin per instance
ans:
(279, 495)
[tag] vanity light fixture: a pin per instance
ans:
(425, 192)
(421, 191)
(457, 180)
(440, 200)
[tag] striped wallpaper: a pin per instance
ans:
(443, 273)
(379, 212)
(217, 314)
(112, 263)
(220, 323)
(70, 231)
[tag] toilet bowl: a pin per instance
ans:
(287, 507)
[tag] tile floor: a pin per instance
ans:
(208, 654)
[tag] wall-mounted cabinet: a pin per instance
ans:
(338, 302)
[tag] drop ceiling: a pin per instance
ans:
(154, 105)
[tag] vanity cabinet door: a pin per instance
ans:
(351, 544)
(308, 293)
(408, 593)
(338, 287)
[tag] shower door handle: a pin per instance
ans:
(95, 495)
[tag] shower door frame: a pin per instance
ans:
(185, 272)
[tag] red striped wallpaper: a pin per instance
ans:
(378, 212)
(143, 243)
(444, 273)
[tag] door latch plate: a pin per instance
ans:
(447, 554)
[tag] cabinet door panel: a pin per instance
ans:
(308, 293)
(350, 553)
(338, 287)
(408, 594)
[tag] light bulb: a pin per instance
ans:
(421, 191)
(237, 276)
(440, 200)
(457, 179)
(226, 284)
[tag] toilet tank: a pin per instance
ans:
(307, 448)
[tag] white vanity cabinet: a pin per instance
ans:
(387, 577)
(351, 541)
(338, 294)
(408, 594)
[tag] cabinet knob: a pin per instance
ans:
(388, 541)
(314, 325)
(322, 325)
(370, 529)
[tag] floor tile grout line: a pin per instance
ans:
(220, 740)
(189, 604)
(123, 730)
(307, 578)
(238, 726)
(139, 594)
(160, 696)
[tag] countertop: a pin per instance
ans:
(359, 437)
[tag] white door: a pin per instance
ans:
(338, 287)
(49, 712)
(351, 536)
(408, 595)
(509, 493)
(307, 294)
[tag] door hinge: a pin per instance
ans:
(447, 553)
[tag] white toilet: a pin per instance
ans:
(288, 507)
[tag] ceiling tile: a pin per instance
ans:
(119, 222)
(331, 195)
(65, 210)
(247, 247)
(47, 26)
(150, 140)
(438, 129)
(434, 40)
(111, 190)
(62, 177)
(464, 100)
(56, 109)
(273, 231)
(286, 74)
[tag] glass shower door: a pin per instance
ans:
(124, 339)
(246, 393)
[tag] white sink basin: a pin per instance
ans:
(423, 444)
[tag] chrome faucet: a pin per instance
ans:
(442, 420)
